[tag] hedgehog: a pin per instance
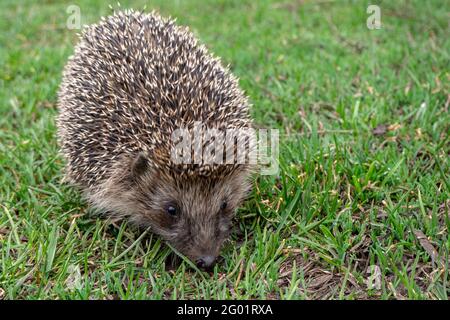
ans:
(133, 80)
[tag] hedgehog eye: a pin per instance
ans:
(223, 205)
(172, 210)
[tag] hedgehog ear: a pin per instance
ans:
(139, 165)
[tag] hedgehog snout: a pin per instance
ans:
(206, 262)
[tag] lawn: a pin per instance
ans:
(359, 210)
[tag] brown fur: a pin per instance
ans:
(201, 226)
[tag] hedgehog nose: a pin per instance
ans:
(205, 262)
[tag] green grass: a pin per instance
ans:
(349, 203)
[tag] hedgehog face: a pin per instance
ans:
(194, 214)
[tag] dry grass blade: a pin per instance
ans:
(429, 248)
(320, 281)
